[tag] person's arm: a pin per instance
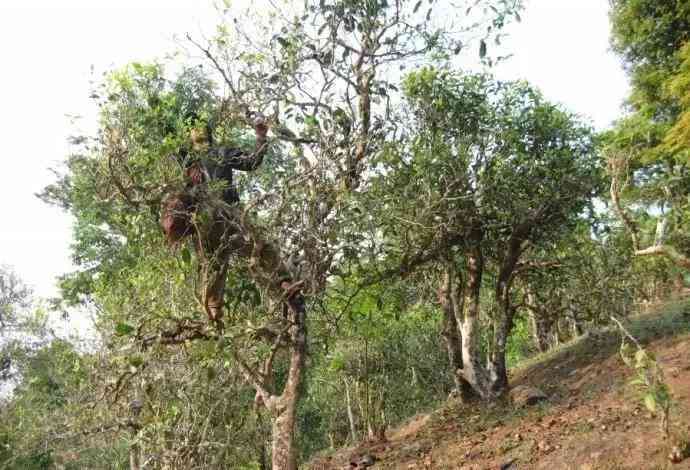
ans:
(240, 160)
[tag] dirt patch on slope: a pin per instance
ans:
(593, 419)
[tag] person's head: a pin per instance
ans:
(260, 125)
(199, 138)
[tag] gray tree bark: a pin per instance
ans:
(451, 300)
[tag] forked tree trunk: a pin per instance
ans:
(233, 233)
(618, 166)
(502, 317)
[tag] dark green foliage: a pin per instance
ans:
(520, 343)
(648, 148)
(389, 358)
(52, 378)
(464, 164)
(648, 33)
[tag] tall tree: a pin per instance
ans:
(647, 150)
(316, 72)
(147, 294)
(502, 172)
(15, 296)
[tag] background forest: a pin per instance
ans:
(436, 227)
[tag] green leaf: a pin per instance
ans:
(186, 255)
(416, 7)
(123, 329)
(482, 49)
(136, 360)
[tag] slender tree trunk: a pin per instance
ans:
(450, 302)
(498, 372)
(364, 77)
(263, 456)
(503, 315)
(540, 325)
(283, 451)
(135, 408)
(578, 329)
(284, 408)
(361, 404)
(367, 392)
(472, 370)
(229, 231)
(539, 332)
(134, 457)
(350, 413)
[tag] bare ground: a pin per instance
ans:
(592, 420)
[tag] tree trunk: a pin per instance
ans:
(263, 457)
(472, 370)
(498, 373)
(618, 166)
(451, 302)
(283, 449)
(541, 324)
(350, 413)
(135, 408)
(284, 408)
(503, 315)
(227, 232)
(539, 332)
(134, 457)
(577, 327)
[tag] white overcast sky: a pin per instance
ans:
(48, 47)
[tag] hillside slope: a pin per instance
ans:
(592, 419)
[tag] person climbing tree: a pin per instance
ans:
(225, 231)
(209, 162)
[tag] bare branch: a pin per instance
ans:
(667, 251)
(207, 52)
(617, 166)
